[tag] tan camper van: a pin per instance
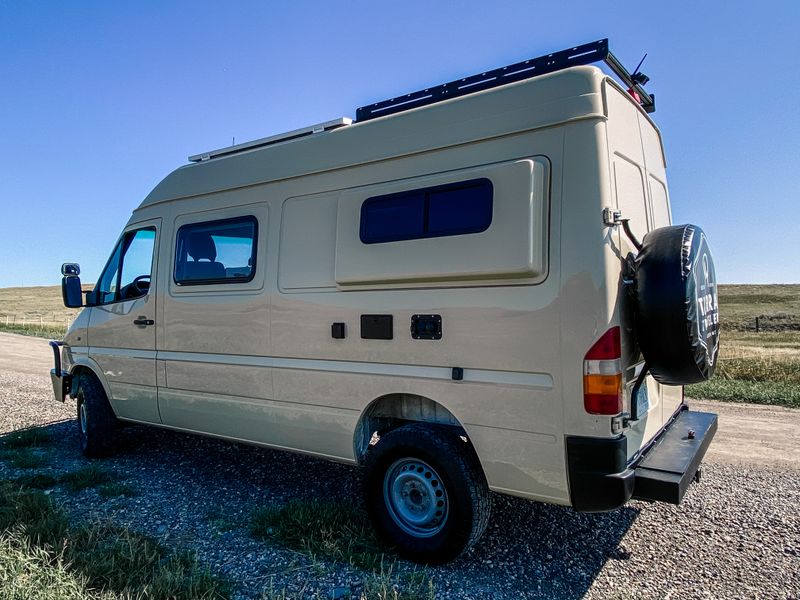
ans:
(474, 287)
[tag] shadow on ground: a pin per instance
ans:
(530, 550)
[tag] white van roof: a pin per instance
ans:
(574, 93)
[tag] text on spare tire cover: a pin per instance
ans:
(706, 317)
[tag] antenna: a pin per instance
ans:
(638, 76)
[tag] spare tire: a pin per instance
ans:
(677, 313)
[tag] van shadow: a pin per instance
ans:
(530, 549)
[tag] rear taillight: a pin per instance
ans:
(602, 375)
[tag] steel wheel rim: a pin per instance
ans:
(416, 497)
(82, 420)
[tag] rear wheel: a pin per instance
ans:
(97, 423)
(426, 493)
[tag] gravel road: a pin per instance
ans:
(736, 535)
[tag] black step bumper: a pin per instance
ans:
(670, 465)
(601, 479)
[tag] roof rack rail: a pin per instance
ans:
(273, 139)
(527, 69)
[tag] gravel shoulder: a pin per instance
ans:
(736, 535)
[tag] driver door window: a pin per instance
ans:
(127, 274)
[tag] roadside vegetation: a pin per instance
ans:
(340, 533)
(43, 555)
(760, 347)
(50, 332)
(36, 310)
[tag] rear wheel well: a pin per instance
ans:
(395, 410)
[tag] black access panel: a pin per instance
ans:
(377, 327)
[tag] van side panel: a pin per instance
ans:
(505, 337)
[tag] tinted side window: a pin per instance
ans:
(127, 273)
(216, 252)
(451, 209)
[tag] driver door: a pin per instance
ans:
(122, 333)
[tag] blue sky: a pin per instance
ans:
(100, 100)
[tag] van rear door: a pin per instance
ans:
(638, 177)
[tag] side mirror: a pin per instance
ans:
(71, 292)
(70, 269)
(71, 285)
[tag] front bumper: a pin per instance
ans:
(601, 479)
(61, 380)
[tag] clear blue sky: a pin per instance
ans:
(100, 100)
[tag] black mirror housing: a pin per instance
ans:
(70, 269)
(71, 292)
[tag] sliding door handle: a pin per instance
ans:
(143, 321)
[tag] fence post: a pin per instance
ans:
(756, 324)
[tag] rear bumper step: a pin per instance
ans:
(665, 472)
(600, 478)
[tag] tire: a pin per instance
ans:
(677, 312)
(425, 493)
(97, 424)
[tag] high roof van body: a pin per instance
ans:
(444, 295)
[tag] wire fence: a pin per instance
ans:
(40, 320)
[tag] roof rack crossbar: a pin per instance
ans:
(579, 55)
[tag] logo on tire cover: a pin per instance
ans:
(705, 291)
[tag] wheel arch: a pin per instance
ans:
(393, 410)
(84, 365)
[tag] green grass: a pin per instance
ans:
(86, 477)
(340, 533)
(34, 437)
(42, 556)
(416, 585)
(22, 449)
(114, 489)
(51, 332)
(39, 481)
(758, 367)
(757, 392)
(28, 571)
(222, 521)
(332, 530)
(26, 458)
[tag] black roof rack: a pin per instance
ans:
(579, 55)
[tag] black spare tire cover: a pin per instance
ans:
(677, 313)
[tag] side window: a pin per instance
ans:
(127, 274)
(216, 252)
(444, 210)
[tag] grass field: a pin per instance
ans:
(759, 357)
(760, 346)
(36, 310)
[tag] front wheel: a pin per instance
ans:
(97, 424)
(426, 493)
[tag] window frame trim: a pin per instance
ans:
(426, 192)
(217, 281)
(132, 233)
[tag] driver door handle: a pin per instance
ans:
(143, 321)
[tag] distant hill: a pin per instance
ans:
(35, 302)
